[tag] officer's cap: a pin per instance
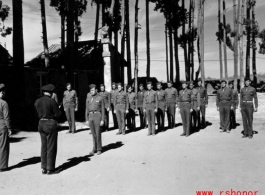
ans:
(149, 83)
(129, 86)
(191, 83)
(231, 83)
(2, 87)
(113, 83)
(184, 82)
(170, 82)
(223, 81)
(158, 83)
(141, 84)
(199, 80)
(119, 84)
(48, 88)
(102, 85)
(91, 86)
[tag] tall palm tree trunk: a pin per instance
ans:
(147, 40)
(224, 45)
(96, 26)
(235, 15)
(220, 41)
(241, 45)
(171, 73)
(136, 52)
(254, 47)
(128, 41)
(248, 42)
(176, 54)
(187, 65)
(202, 43)
(166, 39)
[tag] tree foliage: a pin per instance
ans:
(229, 34)
(4, 12)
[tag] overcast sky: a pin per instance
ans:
(33, 32)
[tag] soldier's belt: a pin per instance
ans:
(45, 119)
(224, 100)
(94, 112)
(184, 102)
(247, 101)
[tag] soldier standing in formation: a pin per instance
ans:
(195, 104)
(121, 106)
(235, 106)
(203, 104)
(162, 108)
(106, 97)
(171, 99)
(150, 107)
(132, 109)
(48, 110)
(70, 103)
(140, 102)
(112, 96)
(5, 130)
(95, 114)
(247, 95)
(224, 100)
(185, 108)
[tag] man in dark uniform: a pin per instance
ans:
(121, 106)
(140, 102)
(195, 105)
(112, 96)
(132, 109)
(224, 100)
(70, 103)
(247, 95)
(95, 112)
(106, 97)
(204, 104)
(5, 130)
(235, 102)
(48, 110)
(185, 108)
(162, 107)
(171, 99)
(150, 107)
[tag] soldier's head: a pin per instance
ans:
(149, 85)
(141, 87)
(223, 83)
(114, 86)
(159, 85)
(120, 87)
(247, 82)
(68, 86)
(191, 85)
(199, 83)
(93, 89)
(169, 84)
(129, 88)
(2, 90)
(231, 85)
(102, 87)
(184, 84)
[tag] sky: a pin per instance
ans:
(33, 32)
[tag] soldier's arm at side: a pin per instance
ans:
(241, 97)
(199, 99)
(236, 99)
(109, 101)
(177, 98)
(56, 109)
(217, 99)
(102, 109)
(156, 100)
(127, 101)
(6, 115)
(144, 105)
(76, 102)
(255, 99)
(206, 96)
(87, 113)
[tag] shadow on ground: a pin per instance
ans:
(112, 146)
(26, 162)
(72, 162)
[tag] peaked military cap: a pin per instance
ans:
(91, 86)
(141, 84)
(149, 83)
(48, 88)
(102, 85)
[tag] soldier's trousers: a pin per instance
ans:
(185, 116)
(247, 110)
(131, 119)
(94, 124)
(49, 136)
(115, 122)
(171, 112)
(70, 115)
(233, 118)
(160, 116)
(121, 114)
(195, 114)
(142, 116)
(150, 115)
(202, 120)
(106, 121)
(4, 145)
(224, 110)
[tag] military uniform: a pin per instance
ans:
(150, 105)
(195, 103)
(247, 95)
(235, 103)
(203, 104)
(160, 115)
(224, 102)
(171, 101)
(140, 108)
(4, 128)
(131, 115)
(185, 106)
(95, 112)
(70, 103)
(106, 97)
(121, 104)
(48, 110)
(114, 116)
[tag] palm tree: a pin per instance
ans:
(219, 39)
(248, 39)
(225, 34)
(254, 47)
(241, 45)
(236, 20)
(127, 15)
(44, 31)
(147, 40)
(136, 52)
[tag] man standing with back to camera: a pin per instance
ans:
(48, 110)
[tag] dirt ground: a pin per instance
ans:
(165, 164)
